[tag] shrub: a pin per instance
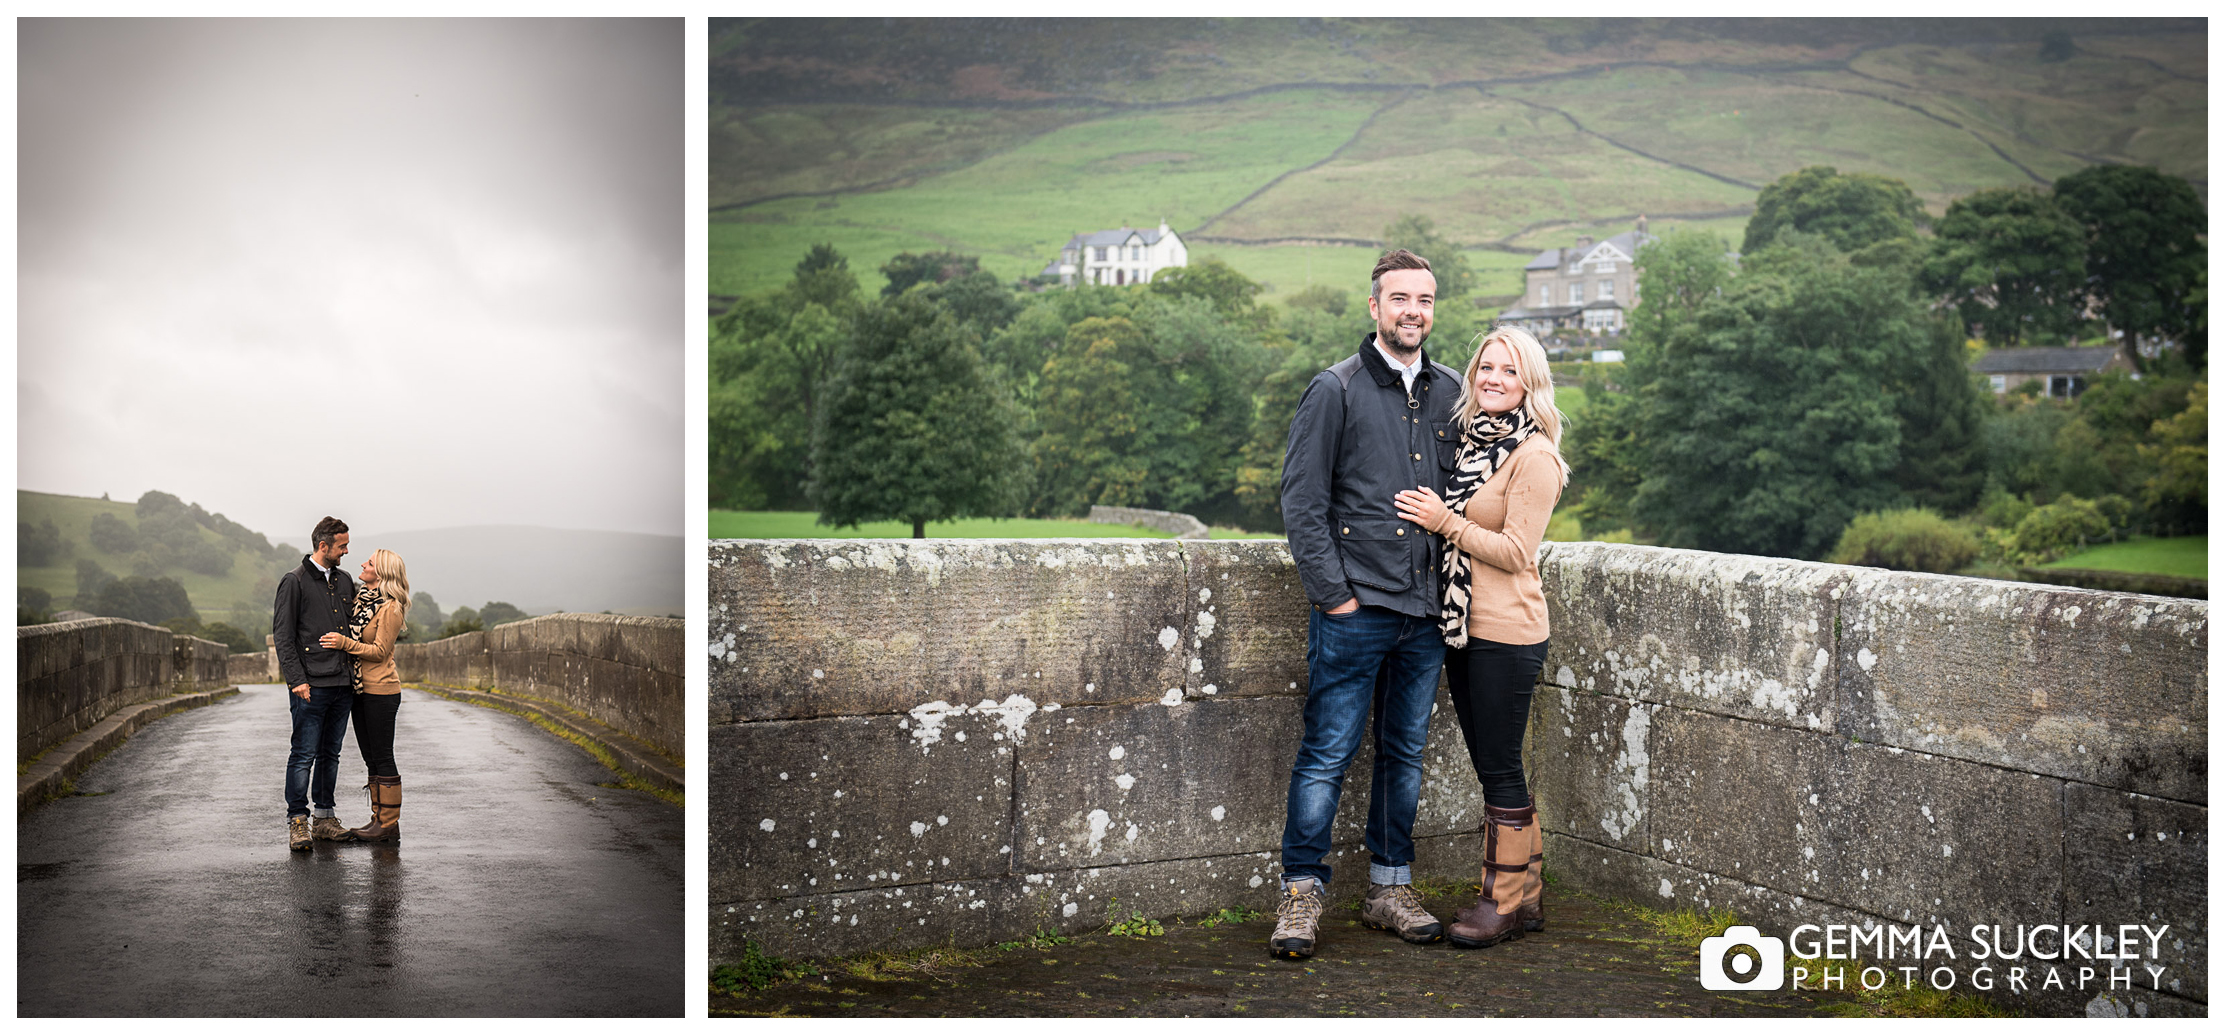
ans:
(2054, 530)
(1912, 539)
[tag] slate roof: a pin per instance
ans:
(1552, 258)
(1112, 237)
(2044, 360)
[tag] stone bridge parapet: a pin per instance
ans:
(971, 740)
(71, 675)
(624, 671)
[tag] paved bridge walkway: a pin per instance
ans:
(521, 887)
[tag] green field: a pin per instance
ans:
(2186, 556)
(804, 525)
(1511, 134)
(241, 597)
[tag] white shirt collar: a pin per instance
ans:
(1407, 372)
(320, 568)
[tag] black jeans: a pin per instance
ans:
(1490, 684)
(374, 716)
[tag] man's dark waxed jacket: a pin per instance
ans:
(1355, 443)
(308, 608)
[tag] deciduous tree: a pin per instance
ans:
(2012, 262)
(912, 426)
(2145, 254)
(1419, 234)
(1851, 210)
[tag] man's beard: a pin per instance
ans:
(1391, 341)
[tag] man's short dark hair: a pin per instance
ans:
(325, 531)
(1396, 259)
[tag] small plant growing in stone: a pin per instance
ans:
(1229, 915)
(756, 970)
(1134, 924)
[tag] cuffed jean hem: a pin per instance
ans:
(1378, 874)
(322, 811)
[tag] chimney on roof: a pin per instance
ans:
(1642, 223)
(1584, 243)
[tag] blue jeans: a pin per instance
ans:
(319, 724)
(1371, 657)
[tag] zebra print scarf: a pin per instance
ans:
(1485, 445)
(368, 599)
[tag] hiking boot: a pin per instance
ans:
(1296, 919)
(297, 834)
(327, 829)
(1494, 917)
(1398, 909)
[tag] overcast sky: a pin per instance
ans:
(417, 274)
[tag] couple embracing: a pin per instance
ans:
(335, 642)
(1414, 499)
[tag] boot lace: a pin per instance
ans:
(1299, 912)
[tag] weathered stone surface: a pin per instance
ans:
(802, 628)
(964, 913)
(1911, 837)
(800, 807)
(1248, 636)
(1127, 783)
(623, 671)
(2133, 859)
(69, 675)
(1727, 633)
(1589, 765)
(2097, 687)
(1699, 764)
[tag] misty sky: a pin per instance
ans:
(417, 274)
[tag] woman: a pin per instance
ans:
(380, 607)
(1508, 475)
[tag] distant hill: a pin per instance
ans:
(537, 569)
(1285, 146)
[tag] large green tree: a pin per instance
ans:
(913, 425)
(769, 356)
(1419, 234)
(1768, 417)
(1212, 280)
(2145, 254)
(2013, 264)
(1851, 210)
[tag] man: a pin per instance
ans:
(1378, 422)
(314, 600)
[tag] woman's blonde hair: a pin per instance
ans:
(1538, 386)
(394, 579)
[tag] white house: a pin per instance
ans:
(1122, 256)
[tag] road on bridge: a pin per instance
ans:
(521, 887)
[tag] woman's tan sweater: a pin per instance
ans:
(1500, 533)
(375, 652)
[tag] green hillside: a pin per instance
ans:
(240, 596)
(1285, 146)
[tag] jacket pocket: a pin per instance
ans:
(1447, 435)
(324, 661)
(1376, 551)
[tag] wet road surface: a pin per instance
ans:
(1595, 958)
(521, 887)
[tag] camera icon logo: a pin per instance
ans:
(1759, 958)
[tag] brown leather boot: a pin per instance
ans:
(1493, 917)
(386, 812)
(1533, 911)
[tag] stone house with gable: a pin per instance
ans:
(2063, 371)
(1124, 255)
(1589, 286)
